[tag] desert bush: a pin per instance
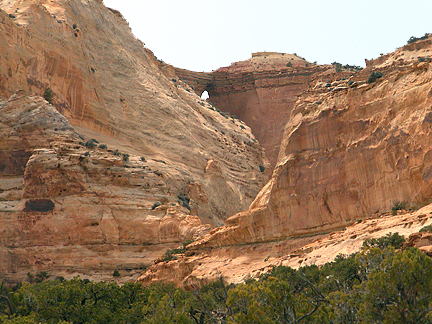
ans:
(184, 201)
(395, 240)
(90, 143)
(398, 205)
(427, 228)
(155, 205)
(48, 95)
(374, 76)
(414, 39)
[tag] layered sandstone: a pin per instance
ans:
(242, 262)
(262, 92)
(348, 151)
(351, 149)
(178, 163)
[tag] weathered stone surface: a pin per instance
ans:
(241, 262)
(349, 151)
(262, 92)
(113, 211)
(346, 154)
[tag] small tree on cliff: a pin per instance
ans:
(48, 95)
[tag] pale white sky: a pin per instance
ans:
(204, 35)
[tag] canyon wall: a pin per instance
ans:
(351, 149)
(123, 163)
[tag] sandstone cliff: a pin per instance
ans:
(348, 151)
(262, 91)
(169, 162)
(351, 149)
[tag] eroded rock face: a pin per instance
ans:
(262, 92)
(238, 263)
(349, 151)
(74, 198)
(171, 166)
(346, 153)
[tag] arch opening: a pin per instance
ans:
(205, 95)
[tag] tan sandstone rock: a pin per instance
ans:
(74, 209)
(349, 151)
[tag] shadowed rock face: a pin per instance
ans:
(172, 167)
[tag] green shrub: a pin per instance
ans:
(116, 153)
(374, 76)
(413, 39)
(156, 204)
(398, 205)
(48, 95)
(170, 254)
(262, 168)
(395, 240)
(103, 146)
(143, 158)
(125, 157)
(337, 66)
(184, 201)
(90, 144)
(427, 228)
(116, 273)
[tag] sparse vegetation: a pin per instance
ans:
(262, 168)
(116, 273)
(90, 143)
(155, 205)
(103, 146)
(394, 240)
(48, 95)
(414, 39)
(184, 201)
(142, 158)
(116, 152)
(289, 64)
(427, 228)
(398, 205)
(375, 75)
(125, 157)
(424, 59)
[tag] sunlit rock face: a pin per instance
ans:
(350, 150)
(262, 91)
(165, 166)
(347, 153)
